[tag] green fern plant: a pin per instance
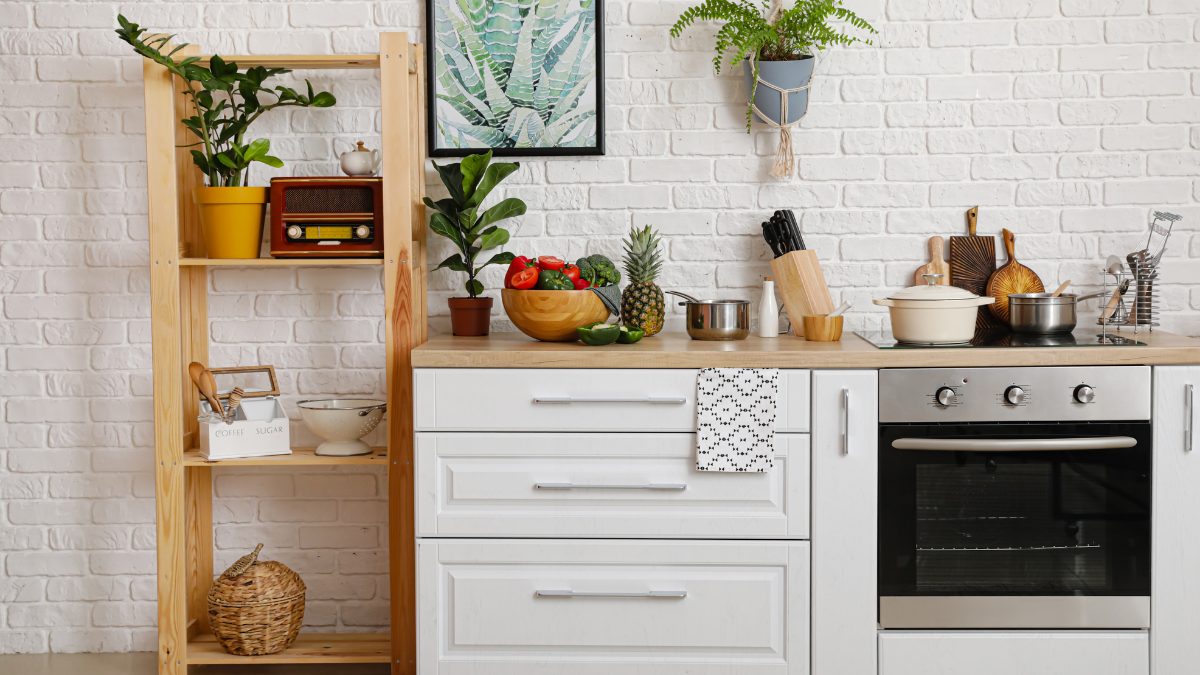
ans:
(751, 32)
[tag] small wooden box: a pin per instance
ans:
(336, 217)
(802, 285)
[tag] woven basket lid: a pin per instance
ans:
(251, 581)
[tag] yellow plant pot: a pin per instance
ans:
(232, 218)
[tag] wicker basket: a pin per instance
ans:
(256, 608)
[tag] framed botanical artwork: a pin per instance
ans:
(521, 77)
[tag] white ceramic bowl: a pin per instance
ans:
(342, 422)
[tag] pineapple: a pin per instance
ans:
(642, 303)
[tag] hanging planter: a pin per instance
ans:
(776, 51)
(779, 98)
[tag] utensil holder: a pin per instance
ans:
(822, 328)
(802, 285)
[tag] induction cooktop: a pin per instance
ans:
(1088, 336)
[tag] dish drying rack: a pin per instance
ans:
(1141, 309)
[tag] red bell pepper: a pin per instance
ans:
(549, 262)
(581, 284)
(519, 263)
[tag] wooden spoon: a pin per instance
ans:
(235, 399)
(208, 387)
(1012, 278)
(1060, 289)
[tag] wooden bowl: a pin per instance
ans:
(552, 316)
(822, 328)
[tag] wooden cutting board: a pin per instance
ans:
(937, 264)
(972, 262)
(1012, 278)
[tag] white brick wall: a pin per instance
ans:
(1067, 121)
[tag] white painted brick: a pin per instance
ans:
(797, 196)
(1013, 60)
(883, 142)
(1173, 7)
(967, 194)
(1146, 30)
(339, 537)
(629, 196)
(882, 89)
(1101, 112)
(71, 15)
(1174, 164)
(969, 87)
(714, 197)
(1100, 166)
(1055, 86)
(843, 116)
(973, 141)
(1036, 113)
(900, 35)
(1014, 9)
(1018, 167)
(323, 15)
(971, 34)
(1058, 32)
(927, 115)
(1103, 58)
(925, 61)
(1174, 110)
(591, 171)
(1144, 84)
(1105, 7)
(1146, 191)
(848, 62)
(671, 118)
(1055, 140)
(839, 168)
(884, 195)
(927, 10)
(1175, 56)
(670, 171)
(1103, 220)
(1144, 138)
(1045, 193)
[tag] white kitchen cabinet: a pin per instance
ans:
(500, 399)
(844, 502)
(1175, 553)
(619, 607)
(553, 485)
(1097, 652)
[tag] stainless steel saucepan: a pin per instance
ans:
(716, 319)
(1043, 313)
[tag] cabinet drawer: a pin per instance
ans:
(549, 485)
(555, 607)
(1009, 652)
(500, 399)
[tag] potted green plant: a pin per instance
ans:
(225, 102)
(775, 46)
(459, 219)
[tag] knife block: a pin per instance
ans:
(802, 285)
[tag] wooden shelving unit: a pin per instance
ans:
(179, 321)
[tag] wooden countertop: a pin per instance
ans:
(677, 350)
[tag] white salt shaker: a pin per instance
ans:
(768, 311)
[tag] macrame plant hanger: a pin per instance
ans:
(785, 158)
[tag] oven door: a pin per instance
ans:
(1014, 525)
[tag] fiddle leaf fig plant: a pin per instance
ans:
(226, 102)
(457, 217)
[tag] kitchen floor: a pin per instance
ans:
(142, 663)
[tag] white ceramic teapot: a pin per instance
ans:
(361, 161)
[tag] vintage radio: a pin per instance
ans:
(338, 217)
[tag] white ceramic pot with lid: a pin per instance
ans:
(361, 161)
(933, 314)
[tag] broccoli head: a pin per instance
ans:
(599, 270)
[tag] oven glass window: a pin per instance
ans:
(1016, 522)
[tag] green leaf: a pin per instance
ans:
(494, 239)
(441, 225)
(492, 177)
(507, 208)
(200, 161)
(474, 287)
(259, 147)
(445, 206)
(452, 178)
(454, 262)
(224, 159)
(498, 259)
(270, 161)
(324, 100)
(472, 167)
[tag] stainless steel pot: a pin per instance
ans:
(1040, 313)
(716, 319)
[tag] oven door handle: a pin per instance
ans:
(1014, 445)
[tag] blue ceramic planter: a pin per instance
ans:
(785, 75)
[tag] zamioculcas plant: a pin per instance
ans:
(515, 73)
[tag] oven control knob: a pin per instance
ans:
(1014, 395)
(294, 232)
(361, 232)
(1085, 394)
(944, 396)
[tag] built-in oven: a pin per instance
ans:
(1014, 498)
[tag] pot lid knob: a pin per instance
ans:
(931, 279)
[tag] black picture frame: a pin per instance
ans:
(431, 99)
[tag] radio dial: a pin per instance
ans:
(361, 231)
(294, 232)
(1014, 395)
(1085, 394)
(944, 396)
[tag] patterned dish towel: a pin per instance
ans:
(735, 419)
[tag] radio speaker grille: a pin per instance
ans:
(328, 200)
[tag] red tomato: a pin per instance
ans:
(549, 262)
(519, 263)
(572, 272)
(581, 284)
(526, 278)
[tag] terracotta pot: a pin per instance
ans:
(232, 218)
(552, 316)
(470, 317)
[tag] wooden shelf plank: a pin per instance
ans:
(308, 648)
(299, 457)
(251, 262)
(300, 61)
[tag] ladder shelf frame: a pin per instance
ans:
(180, 335)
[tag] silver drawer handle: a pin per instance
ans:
(1005, 445)
(845, 421)
(573, 486)
(1187, 419)
(568, 399)
(576, 594)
